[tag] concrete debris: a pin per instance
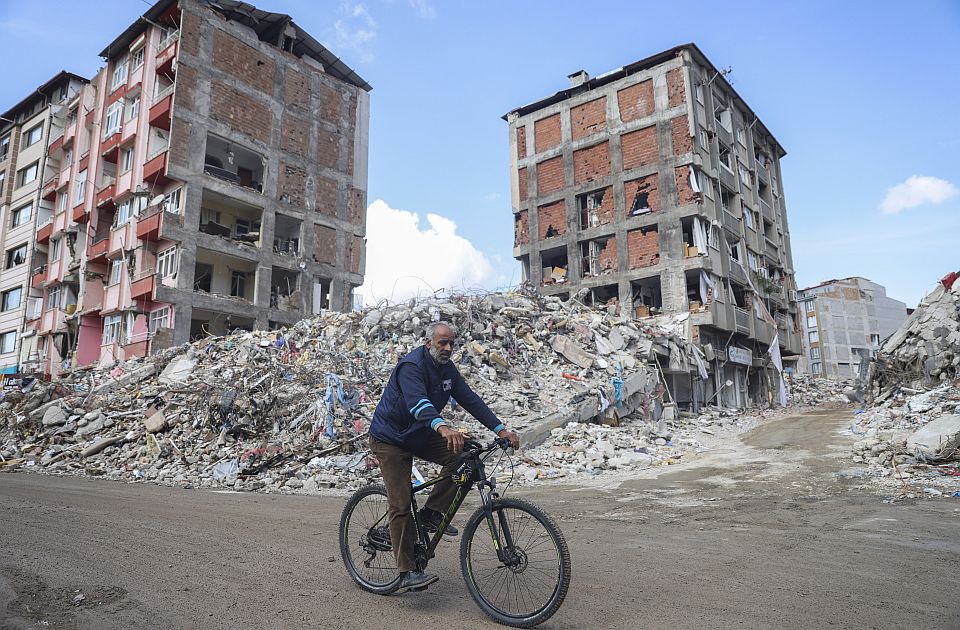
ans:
(288, 410)
(937, 440)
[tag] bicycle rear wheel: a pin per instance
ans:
(531, 591)
(365, 541)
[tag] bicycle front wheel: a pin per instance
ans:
(365, 541)
(529, 590)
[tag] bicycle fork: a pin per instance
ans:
(499, 530)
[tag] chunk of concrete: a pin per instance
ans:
(939, 439)
(54, 416)
(177, 370)
(572, 351)
(155, 423)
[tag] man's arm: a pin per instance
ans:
(469, 400)
(414, 390)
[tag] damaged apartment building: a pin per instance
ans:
(656, 190)
(845, 323)
(212, 176)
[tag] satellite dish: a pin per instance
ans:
(156, 200)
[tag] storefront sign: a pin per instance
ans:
(740, 355)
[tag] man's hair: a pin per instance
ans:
(432, 328)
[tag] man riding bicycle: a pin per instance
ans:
(407, 423)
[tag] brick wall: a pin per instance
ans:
(608, 256)
(552, 215)
(329, 104)
(179, 153)
(189, 33)
(356, 251)
(682, 140)
(546, 133)
(294, 135)
(636, 101)
(549, 176)
(639, 147)
(638, 187)
(522, 183)
(675, 92)
(241, 112)
(243, 62)
(296, 89)
(186, 87)
(643, 247)
(521, 142)
(589, 118)
(291, 185)
(325, 244)
(685, 193)
(591, 163)
(326, 196)
(356, 205)
(328, 148)
(521, 228)
(607, 212)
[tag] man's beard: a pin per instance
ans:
(435, 353)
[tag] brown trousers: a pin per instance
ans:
(396, 465)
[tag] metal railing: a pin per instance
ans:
(742, 319)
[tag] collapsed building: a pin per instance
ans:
(292, 406)
(656, 190)
(211, 176)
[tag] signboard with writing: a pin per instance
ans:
(740, 355)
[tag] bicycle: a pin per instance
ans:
(519, 576)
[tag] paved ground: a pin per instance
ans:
(759, 535)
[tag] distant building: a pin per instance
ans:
(211, 176)
(655, 189)
(845, 322)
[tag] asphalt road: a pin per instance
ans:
(757, 536)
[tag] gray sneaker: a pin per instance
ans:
(415, 581)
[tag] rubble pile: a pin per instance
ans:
(925, 351)
(912, 441)
(807, 390)
(290, 408)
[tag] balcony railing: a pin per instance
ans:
(768, 212)
(169, 39)
(742, 319)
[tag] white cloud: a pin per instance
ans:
(406, 259)
(918, 190)
(424, 8)
(493, 196)
(356, 31)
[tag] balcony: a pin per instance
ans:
(233, 163)
(50, 188)
(155, 170)
(727, 177)
(88, 118)
(768, 212)
(143, 287)
(160, 112)
(762, 173)
(98, 249)
(742, 318)
(148, 225)
(39, 277)
(731, 222)
(56, 145)
(167, 53)
(44, 232)
(80, 214)
(737, 272)
(109, 148)
(105, 193)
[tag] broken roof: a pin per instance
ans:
(633, 68)
(267, 25)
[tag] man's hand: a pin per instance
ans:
(453, 437)
(510, 435)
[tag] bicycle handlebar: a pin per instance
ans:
(475, 445)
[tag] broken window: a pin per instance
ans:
(233, 163)
(694, 231)
(606, 295)
(321, 294)
(203, 277)
(598, 256)
(727, 199)
(286, 235)
(228, 217)
(159, 318)
(700, 289)
(238, 284)
(733, 249)
(721, 113)
(555, 264)
(641, 200)
(746, 178)
(748, 217)
(726, 158)
(285, 289)
(741, 296)
(647, 296)
(590, 205)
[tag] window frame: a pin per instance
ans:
(126, 159)
(16, 216)
(167, 262)
(116, 272)
(157, 317)
(111, 324)
(54, 294)
(4, 147)
(80, 188)
(115, 110)
(137, 57)
(26, 141)
(56, 249)
(21, 174)
(5, 299)
(11, 255)
(8, 335)
(117, 78)
(128, 212)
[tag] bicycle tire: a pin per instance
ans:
(352, 543)
(524, 619)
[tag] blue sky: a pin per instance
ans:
(863, 96)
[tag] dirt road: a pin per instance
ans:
(758, 535)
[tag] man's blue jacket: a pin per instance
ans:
(418, 390)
